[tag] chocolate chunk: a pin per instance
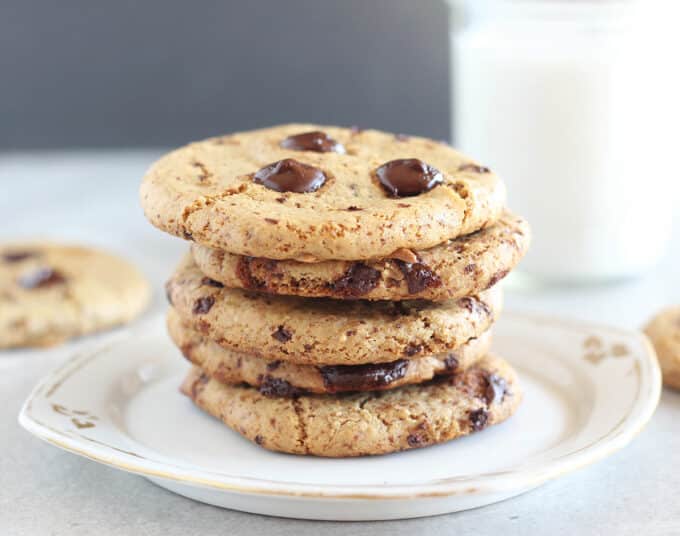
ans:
(203, 305)
(211, 282)
(187, 350)
(259, 439)
(474, 168)
(244, 273)
(357, 281)
(451, 362)
(415, 440)
(273, 365)
(41, 278)
(316, 140)
(408, 177)
(282, 334)
(247, 265)
(475, 305)
(187, 235)
(496, 389)
(290, 176)
(418, 276)
(469, 268)
(18, 256)
(353, 209)
(273, 387)
(497, 277)
(479, 418)
(340, 378)
(199, 384)
(413, 349)
(271, 220)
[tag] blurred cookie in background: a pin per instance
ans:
(664, 332)
(52, 292)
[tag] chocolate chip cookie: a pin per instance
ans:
(320, 331)
(459, 267)
(664, 332)
(287, 379)
(313, 193)
(362, 424)
(50, 293)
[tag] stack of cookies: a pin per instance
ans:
(341, 287)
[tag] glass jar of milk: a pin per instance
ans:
(575, 104)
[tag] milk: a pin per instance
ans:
(574, 104)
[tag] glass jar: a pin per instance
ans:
(575, 104)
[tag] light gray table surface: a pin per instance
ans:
(92, 198)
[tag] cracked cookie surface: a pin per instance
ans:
(361, 424)
(321, 331)
(289, 379)
(220, 193)
(50, 293)
(664, 332)
(459, 267)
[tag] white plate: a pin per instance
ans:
(588, 391)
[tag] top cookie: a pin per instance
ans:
(50, 292)
(311, 193)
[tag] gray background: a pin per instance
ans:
(162, 72)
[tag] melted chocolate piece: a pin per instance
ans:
(203, 305)
(282, 334)
(18, 256)
(290, 176)
(341, 378)
(259, 439)
(357, 281)
(496, 389)
(316, 140)
(41, 278)
(211, 282)
(479, 418)
(418, 276)
(276, 387)
(408, 177)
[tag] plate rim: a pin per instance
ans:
(615, 439)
